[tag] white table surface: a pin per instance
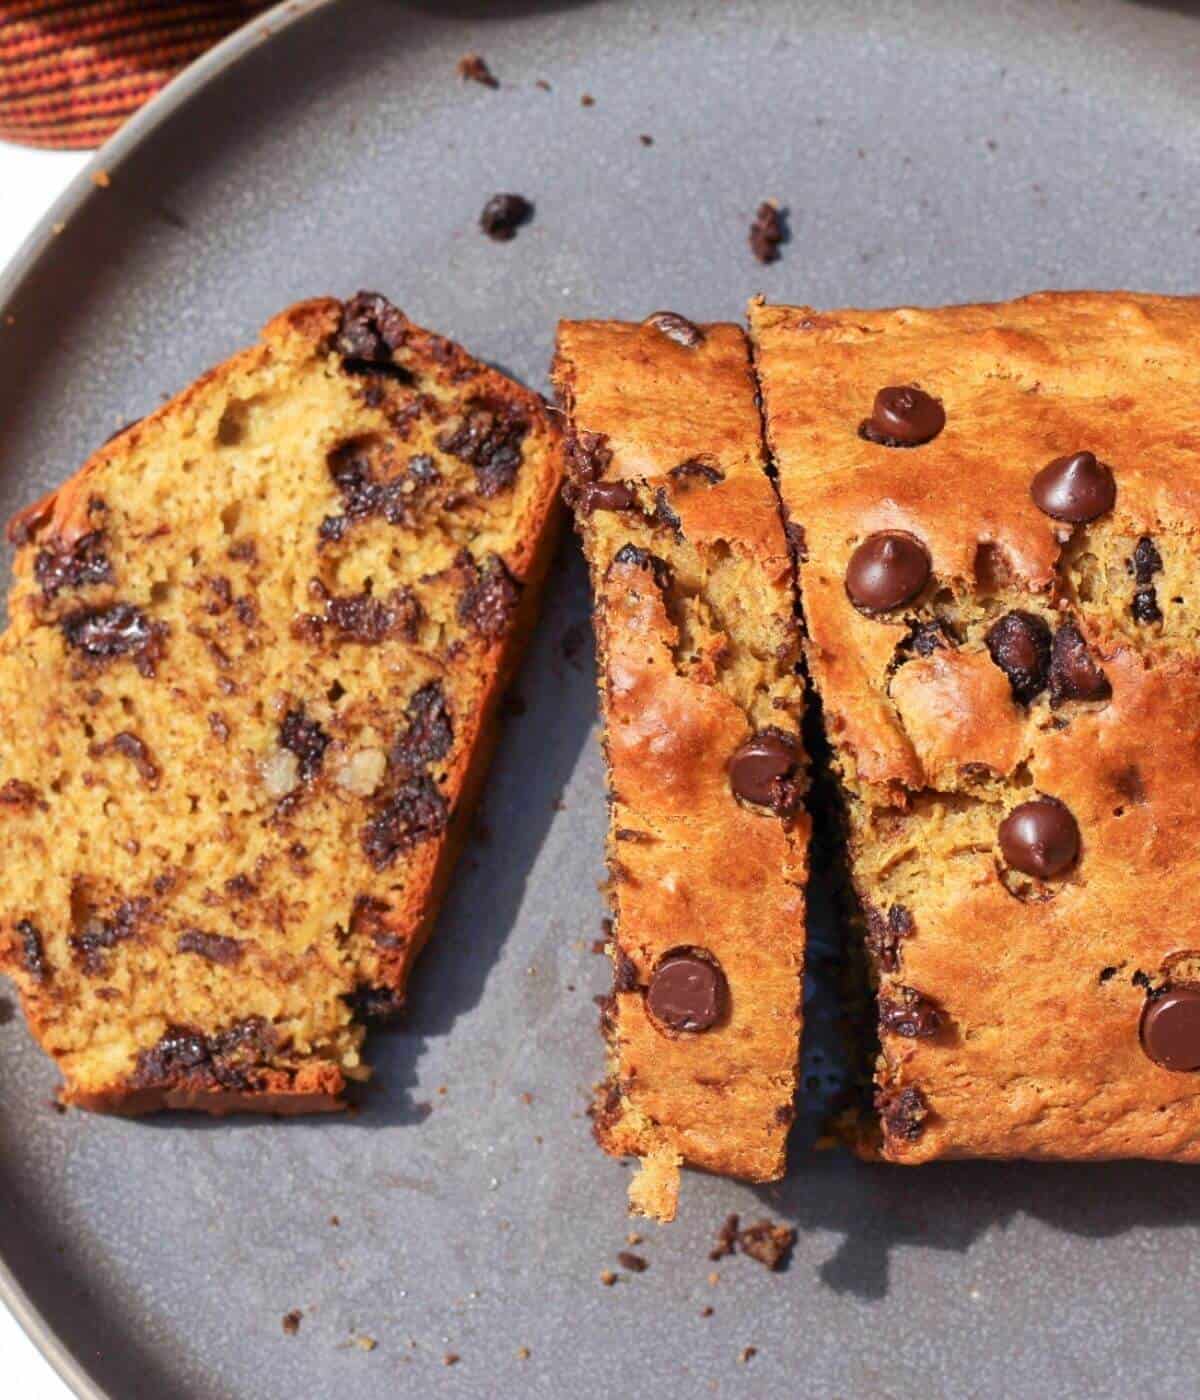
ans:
(31, 181)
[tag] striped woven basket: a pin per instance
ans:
(70, 73)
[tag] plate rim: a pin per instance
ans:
(264, 28)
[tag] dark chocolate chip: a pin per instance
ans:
(632, 556)
(1040, 838)
(887, 570)
(489, 439)
(1146, 561)
(902, 1111)
(374, 1005)
(885, 932)
(33, 951)
(1145, 607)
(687, 992)
(59, 566)
(1074, 674)
(225, 1058)
(489, 600)
(1019, 643)
(589, 496)
(903, 416)
(909, 1014)
(415, 812)
(767, 232)
(677, 328)
(370, 329)
(588, 455)
(924, 638)
(503, 214)
(306, 739)
(766, 771)
(1076, 488)
(1170, 1029)
(696, 469)
(213, 947)
(119, 630)
(429, 734)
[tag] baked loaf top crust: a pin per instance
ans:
(1043, 651)
(248, 687)
(697, 647)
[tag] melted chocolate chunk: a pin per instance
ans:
(902, 1111)
(588, 496)
(797, 541)
(1145, 607)
(666, 515)
(306, 739)
(767, 1243)
(677, 328)
(371, 328)
(924, 638)
(489, 600)
(1074, 674)
(1170, 1028)
(489, 439)
(1076, 488)
(588, 455)
(886, 932)
(214, 947)
(887, 570)
(374, 1005)
(33, 951)
(633, 1262)
(697, 470)
(767, 232)
(430, 732)
(687, 992)
(632, 556)
(903, 416)
(363, 618)
(1146, 561)
(766, 771)
(120, 630)
(99, 935)
(625, 973)
(134, 749)
(58, 566)
(1019, 643)
(909, 1014)
(415, 812)
(503, 214)
(226, 1059)
(363, 494)
(1040, 838)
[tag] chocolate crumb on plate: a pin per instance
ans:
(451, 1358)
(768, 1243)
(292, 1321)
(473, 67)
(646, 139)
(608, 1278)
(633, 1262)
(747, 1354)
(768, 231)
(587, 100)
(503, 214)
(726, 1242)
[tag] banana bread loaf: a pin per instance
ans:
(707, 850)
(1000, 507)
(248, 690)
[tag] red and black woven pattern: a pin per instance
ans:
(71, 71)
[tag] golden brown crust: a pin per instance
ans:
(1040, 984)
(348, 518)
(694, 621)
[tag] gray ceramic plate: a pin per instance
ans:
(927, 152)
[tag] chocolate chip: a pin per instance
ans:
(924, 638)
(887, 570)
(1040, 838)
(633, 1262)
(119, 630)
(909, 1014)
(415, 812)
(588, 496)
(694, 469)
(902, 1111)
(363, 618)
(370, 329)
(97, 935)
(503, 214)
(885, 932)
(903, 416)
(489, 439)
(1145, 607)
(767, 232)
(473, 67)
(588, 455)
(374, 1005)
(632, 556)
(130, 746)
(1146, 560)
(1019, 643)
(1076, 488)
(1074, 674)
(1170, 1029)
(429, 734)
(306, 739)
(33, 951)
(213, 947)
(766, 771)
(226, 1058)
(490, 598)
(677, 328)
(58, 566)
(687, 992)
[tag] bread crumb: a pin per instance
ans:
(747, 1354)
(714, 1277)
(646, 139)
(473, 67)
(291, 1321)
(608, 1278)
(633, 1262)
(523, 1353)
(587, 100)
(633, 1237)
(707, 1310)
(365, 1343)
(101, 179)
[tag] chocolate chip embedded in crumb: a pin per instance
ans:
(906, 1012)
(903, 1112)
(903, 416)
(489, 600)
(687, 992)
(924, 638)
(588, 455)
(666, 515)
(120, 630)
(1074, 674)
(429, 733)
(1170, 1028)
(489, 439)
(78, 565)
(677, 328)
(885, 932)
(472, 67)
(306, 739)
(1040, 838)
(887, 570)
(16, 793)
(589, 496)
(767, 232)
(374, 1005)
(1076, 488)
(371, 329)
(130, 746)
(503, 214)
(33, 951)
(1146, 561)
(1145, 607)
(768, 1243)
(414, 813)
(766, 771)
(1019, 643)
(695, 469)
(632, 556)
(213, 947)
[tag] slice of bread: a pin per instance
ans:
(248, 691)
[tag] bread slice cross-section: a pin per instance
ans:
(708, 837)
(248, 691)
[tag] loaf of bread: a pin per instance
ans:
(999, 508)
(247, 695)
(698, 645)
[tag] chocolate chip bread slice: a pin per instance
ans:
(694, 617)
(1001, 507)
(247, 694)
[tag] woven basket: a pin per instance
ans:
(70, 73)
